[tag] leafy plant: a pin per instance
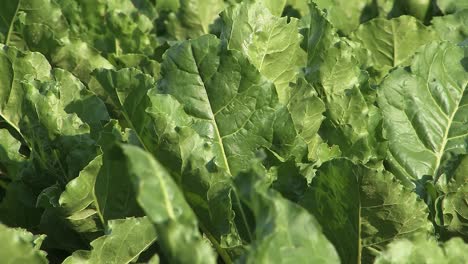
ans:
(254, 131)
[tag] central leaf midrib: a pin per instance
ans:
(215, 124)
(10, 28)
(220, 142)
(445, 138)
(440, 153)
(394, 44)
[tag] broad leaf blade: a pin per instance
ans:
(425, 111)
(125, 241)
(361, 209)
(213, 111)
(392, 42)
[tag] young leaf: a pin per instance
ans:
(212, 111)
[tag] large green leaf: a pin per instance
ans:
(125, 240)
(425, 111)
(271, 43)
(166, 207)
(16, 66)
(20, 246)
(284, 232)
(361, 209)
(213, 111)
(392, 42)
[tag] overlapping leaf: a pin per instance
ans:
(392, 42)
(425, 110)
(125, 241)
(20, 246)
(452, 27)
(172, 216)
(361, 209)
(424, 250)
(284, 232)
(271, 43)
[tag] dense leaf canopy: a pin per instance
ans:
(233, 131)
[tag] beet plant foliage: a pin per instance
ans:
(255, 131)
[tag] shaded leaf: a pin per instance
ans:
(361, 209)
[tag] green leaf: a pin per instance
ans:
(60, 143)
(392, 43)
(139, 61)
(333, 69)
(193, 18)
(346, 15)
(274, 6)
(79, 58)
(19, 246)
(79, 202)
(212, 112)
(166, 207)
(424, 250)
(452, 27)
(16, 66)
(271, 43)
(284, 232)
(29, 12)
(361, 209)
(7, 18)
(306, 110)
(10, 157)
(451, 205)
(125, 90)
(125, 240)
(113, 190)
(425, 110)
(76, 98)
(451, 6)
